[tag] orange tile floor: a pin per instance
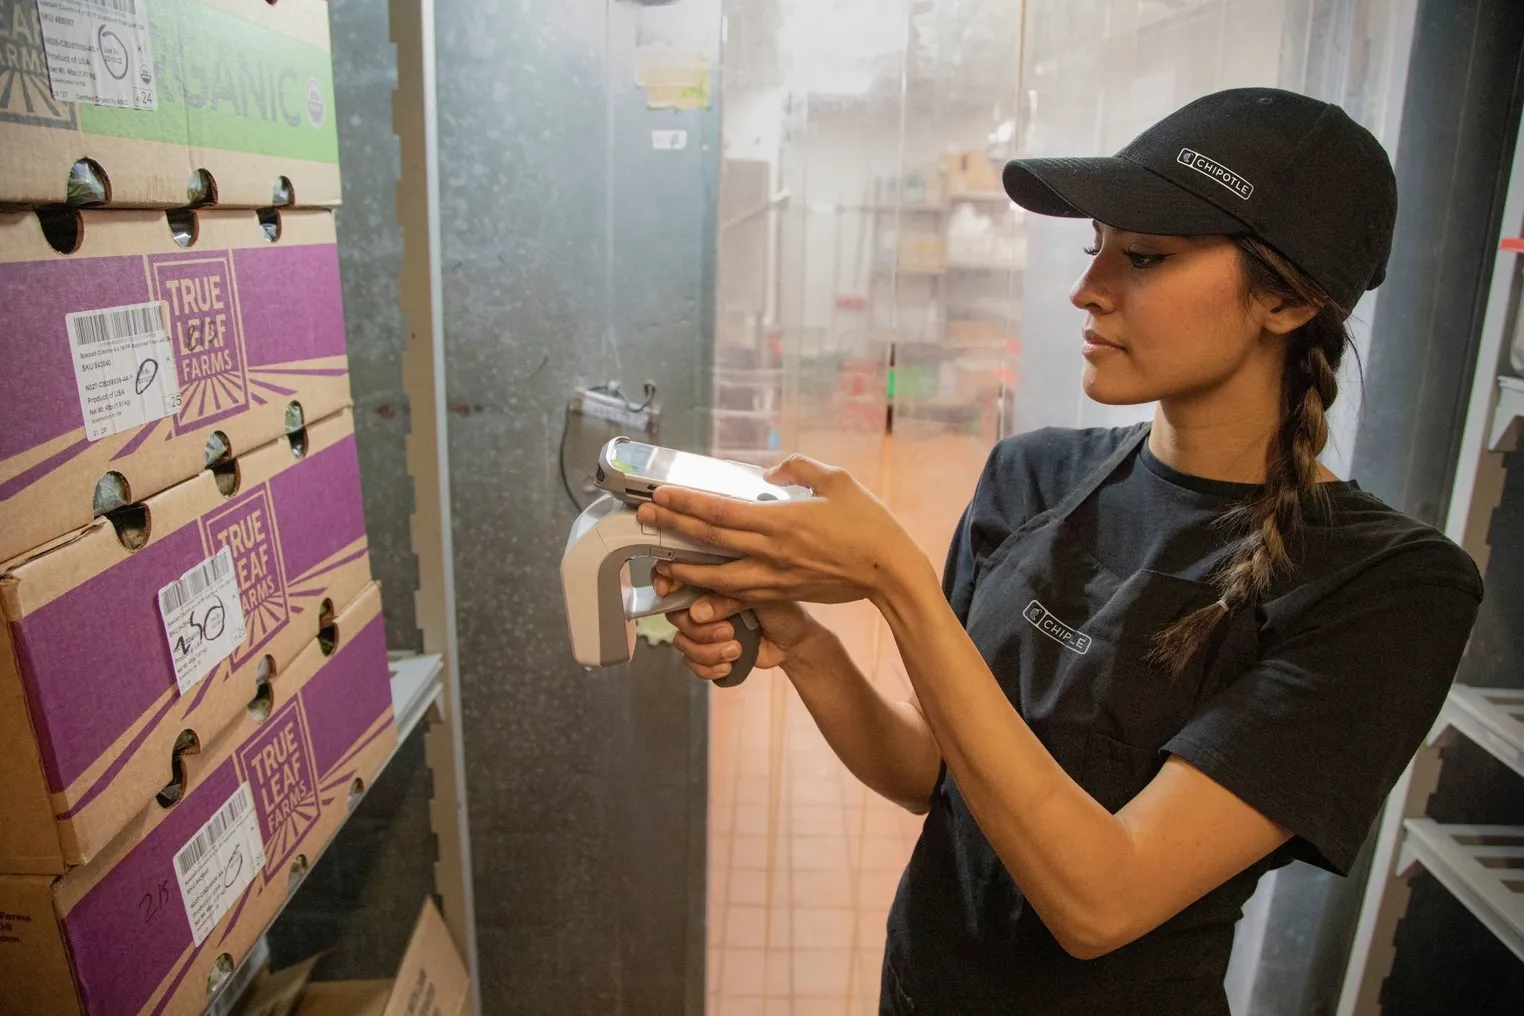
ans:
(803, 859)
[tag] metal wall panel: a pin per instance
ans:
(573, 252)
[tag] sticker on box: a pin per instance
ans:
(98, 52)
(124, 367)
(203, 618)
(219, 862)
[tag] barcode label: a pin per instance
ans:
(124, 367)
(217, 864)
(238, 806)
(114, 323)
(98, 51)
(196, 581)
(203, 618)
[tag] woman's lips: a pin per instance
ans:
(1098, 345)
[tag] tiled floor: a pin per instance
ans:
(804, 860)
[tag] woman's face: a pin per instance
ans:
(1167, 318)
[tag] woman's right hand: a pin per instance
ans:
(706, 637)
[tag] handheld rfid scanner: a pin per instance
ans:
(602, 604)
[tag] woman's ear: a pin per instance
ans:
(1280, 315)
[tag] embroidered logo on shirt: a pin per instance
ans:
(1043, 620)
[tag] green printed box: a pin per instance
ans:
(168, 102)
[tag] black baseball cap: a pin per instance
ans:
(1295, 172)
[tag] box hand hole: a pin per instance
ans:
(88, 184)
(328, 629)
(187, 743)
(63, 227)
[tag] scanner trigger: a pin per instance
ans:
(749, 633)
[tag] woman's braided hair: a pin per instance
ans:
(1274, 517)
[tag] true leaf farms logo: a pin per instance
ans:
(246, 526)
(204, 326)
(278, 766)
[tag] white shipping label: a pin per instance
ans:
(98, 52)
(124, 367)
(203, 618)
(219, 862)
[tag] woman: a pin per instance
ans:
(1162, 660)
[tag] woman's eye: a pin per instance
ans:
(1092, 249)
(1143, 260)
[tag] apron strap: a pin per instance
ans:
(1093, 481)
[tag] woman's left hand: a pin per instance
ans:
(838, 546)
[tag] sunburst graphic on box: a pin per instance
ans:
(273, 382)
(26, 90)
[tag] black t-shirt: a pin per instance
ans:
(1357, 646)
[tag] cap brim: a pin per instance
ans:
(1117, 192)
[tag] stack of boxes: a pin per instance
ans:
(193, 673)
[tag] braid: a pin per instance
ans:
(1274, 517)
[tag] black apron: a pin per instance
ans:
(1067, 639)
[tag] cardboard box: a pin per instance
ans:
(240, 89)
(115, 937)
(431, 981)
(252, 327)
(91, 712)
(973, 333)
(922, 252)
(970, 172)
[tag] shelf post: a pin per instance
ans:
(414, 120)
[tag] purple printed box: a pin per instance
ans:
(181, 897)
(91, 702)
(132, 359)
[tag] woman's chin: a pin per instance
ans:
(1106, 387)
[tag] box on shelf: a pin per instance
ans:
(158, 922)
(101, 346)
(432, 979)
(922, 252)
(970, 172)
(240, 90)
(92, 713)
(973, 333)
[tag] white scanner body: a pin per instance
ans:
(601, 603)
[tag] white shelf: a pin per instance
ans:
(985, 266)
(1493, 718)
(744, 414)
(1508, 408)
(992, 197)
(416, 685)
(1481, 865)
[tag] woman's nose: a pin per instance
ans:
(1090, 292)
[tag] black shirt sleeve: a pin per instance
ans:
(1317, 731)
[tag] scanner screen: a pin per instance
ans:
(700, 472)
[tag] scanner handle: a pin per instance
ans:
(642, 601)
(749, 633)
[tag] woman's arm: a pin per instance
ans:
(884, 742)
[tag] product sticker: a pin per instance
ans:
(669, 141)
(203, 619)
(219, 862)
(98, 52)
(124, 367)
